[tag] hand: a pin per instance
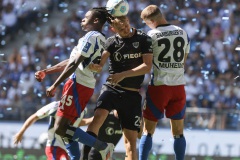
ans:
(17, 138)
(40, 75)
(95, 67)
(51, 91)
(114, 79)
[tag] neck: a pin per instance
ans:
(161, 22)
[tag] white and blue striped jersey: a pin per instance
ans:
(170, 45)
(50, 111)
(90, 46)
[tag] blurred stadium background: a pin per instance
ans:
(39, 33)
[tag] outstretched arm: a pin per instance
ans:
(40, 75)
(32, 119)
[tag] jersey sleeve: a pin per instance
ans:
(87, 44)
(108, 45)
(47, 110)
(146, 45)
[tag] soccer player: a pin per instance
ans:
(80, 86)
(130, 53)
(55, 148)
(165, 94)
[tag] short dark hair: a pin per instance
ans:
(102, 14)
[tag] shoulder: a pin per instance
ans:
(93, 35)
(111, 40)
(141, 33)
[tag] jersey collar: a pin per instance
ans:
(163, 25)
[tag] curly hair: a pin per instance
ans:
(103, 14)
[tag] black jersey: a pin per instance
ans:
(126, 54)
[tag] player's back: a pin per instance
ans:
(170, 44)
(90, 46)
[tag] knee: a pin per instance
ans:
(130, 145)
(177, 131)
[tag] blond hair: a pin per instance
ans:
(151, 12)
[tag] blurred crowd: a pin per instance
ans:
(212, 67)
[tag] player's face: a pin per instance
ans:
(122, 27)
(87, 21)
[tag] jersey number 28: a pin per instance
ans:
(178, 52)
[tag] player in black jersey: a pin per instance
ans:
(130, 53)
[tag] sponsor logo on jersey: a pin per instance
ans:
(86, 47)
(135, 44)
(130, 56)
(117, 56)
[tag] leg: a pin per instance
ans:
(179, 139)
(146, 140)
(61, 126)
(130, 140)
(99, 117)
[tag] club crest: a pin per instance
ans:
(135, 44)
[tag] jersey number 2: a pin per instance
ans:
(178, 52)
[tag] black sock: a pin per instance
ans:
(86, 149)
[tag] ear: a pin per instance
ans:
(96, 20)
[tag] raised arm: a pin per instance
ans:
(40, 75)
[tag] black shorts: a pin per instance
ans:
(127, 103)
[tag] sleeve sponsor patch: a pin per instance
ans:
(86, 47)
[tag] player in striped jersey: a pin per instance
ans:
(80, 85)
(166, 93)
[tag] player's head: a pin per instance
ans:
(94, 19)
(152, 15)
(121, 26)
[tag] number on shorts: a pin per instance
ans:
(66, 100)
(138, 121)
